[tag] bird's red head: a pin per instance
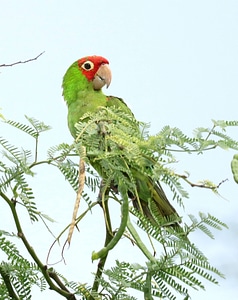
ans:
(89, 65)
(96, 69)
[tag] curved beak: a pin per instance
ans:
(102, 77)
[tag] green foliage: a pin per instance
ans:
(19, 274)
(112, 140)
(34, 130)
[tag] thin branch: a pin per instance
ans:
(22, 62)
(191, 150)
(205, 185)
(63, 231)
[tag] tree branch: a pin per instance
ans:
(22, 62)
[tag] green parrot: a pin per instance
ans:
(82, 91)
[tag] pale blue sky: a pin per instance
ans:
(173, 62)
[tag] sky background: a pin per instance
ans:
(173, 62)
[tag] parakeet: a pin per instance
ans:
(82, 91)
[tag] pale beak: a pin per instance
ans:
(102, 77)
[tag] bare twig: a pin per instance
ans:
(204, 184)
(22, 62)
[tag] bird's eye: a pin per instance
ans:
(88, 65)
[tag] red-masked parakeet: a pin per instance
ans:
(82, 91)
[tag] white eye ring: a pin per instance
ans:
(88, 65)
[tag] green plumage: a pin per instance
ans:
(81, 97)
